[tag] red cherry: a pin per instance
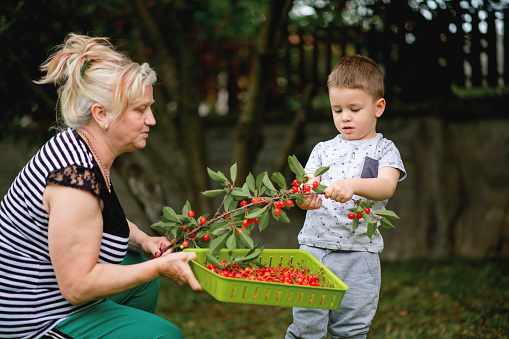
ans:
(351, 216)
(245, 223)
(256, 220)
(203, 220)
(254, 201)
(243, 203)
(359, 216)
(262, 200)
(185, 244)
(307, 188)
(206, 237)
(367, 210)
(240, 230)
(295, 189)
(296, 182)
(190, 214)
(315, 184)
(289, 203)
(185, 228)
(192, 236)
(277, 211)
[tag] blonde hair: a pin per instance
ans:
(88, 70)
(359, 72)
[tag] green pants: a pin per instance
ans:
(128, 315)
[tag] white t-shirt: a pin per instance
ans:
(328, 226)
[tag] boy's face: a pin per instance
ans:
(355, 112)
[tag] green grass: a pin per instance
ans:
(454, 298)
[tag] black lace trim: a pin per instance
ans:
(76, 177)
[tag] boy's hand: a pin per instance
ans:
(340, 191)
(312, 202)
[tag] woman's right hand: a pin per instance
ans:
(176, 267)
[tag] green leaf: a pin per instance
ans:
(238, 194)
(388, 214)
(279, 179)
(281, 217)
(259, 181)
(213, 260)
(295, 166)
(371, 230)
(231, 242)
(218, 176)
(229, 203)
(386, 223)
(250, 181)
(249, 257)
(170, 214)
(321, 171)
(217, 243)
(233, 172)
(220, 230)
(367, 218)
(162, 225)
(268, 183)
(319, 189)
(186, 208)
(245, 189)
(300, 197)
(212, 193)
(255, 213)
(264, 222)
(246, 240)
(355, 224)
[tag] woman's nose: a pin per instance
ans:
(150, 120)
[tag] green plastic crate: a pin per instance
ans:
(328, 296)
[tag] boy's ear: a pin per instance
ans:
(380, 107)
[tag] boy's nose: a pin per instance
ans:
(346, 116)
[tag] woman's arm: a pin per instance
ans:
(74, 235)
(150, 246)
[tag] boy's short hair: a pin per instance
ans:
(359, 72)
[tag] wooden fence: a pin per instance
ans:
(421, 59)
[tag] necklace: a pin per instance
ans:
(98, 158)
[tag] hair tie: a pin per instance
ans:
(84, 67)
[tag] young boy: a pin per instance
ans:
(363, 165)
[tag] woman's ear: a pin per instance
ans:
(99, 115)
(380, 107)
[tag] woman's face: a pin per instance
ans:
(131, 129)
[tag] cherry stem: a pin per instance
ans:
(222, 216)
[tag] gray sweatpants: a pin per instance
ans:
(361, 272)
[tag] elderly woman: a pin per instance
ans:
(65, 271)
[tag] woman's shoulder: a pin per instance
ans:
(67, 149)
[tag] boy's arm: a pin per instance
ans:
(377, 189)
(312, 201)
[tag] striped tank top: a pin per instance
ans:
(30, 301)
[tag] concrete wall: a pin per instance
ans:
(454, 200)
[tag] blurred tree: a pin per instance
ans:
(251, 60)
